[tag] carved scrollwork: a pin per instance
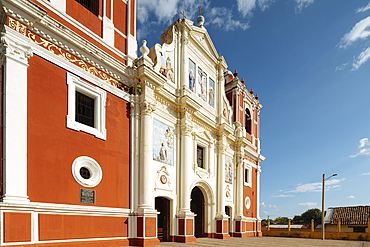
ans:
(186, 130)
(16, 50)
(147, 107)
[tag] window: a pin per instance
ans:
(248, 121)
(91, 5)
(200, 156)
(86, 107)
(86, 171)
(359, 229)
(247, 175)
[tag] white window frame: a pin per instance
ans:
(249, 178)
(99, 95)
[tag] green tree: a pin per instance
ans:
(282, 220)
(314, 214)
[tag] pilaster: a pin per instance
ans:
(16, 50)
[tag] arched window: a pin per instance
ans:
(248, 121)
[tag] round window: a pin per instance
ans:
(86, 171)
(247, 202)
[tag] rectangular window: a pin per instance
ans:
(200, 156)
(359, 229)
(84, 109)
(91, 5)
(247, 175)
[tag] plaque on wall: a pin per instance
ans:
(87, 196)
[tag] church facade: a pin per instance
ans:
(102, 148)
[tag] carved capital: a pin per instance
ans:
(147, 107)
(16, 48)
(186, 130)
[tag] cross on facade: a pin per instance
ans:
(200, 10)
(183, 15)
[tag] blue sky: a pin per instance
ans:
(308, 61)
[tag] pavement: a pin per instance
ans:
(269, 241)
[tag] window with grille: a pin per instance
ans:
(200, 155)
(84, 109)
(91, 5)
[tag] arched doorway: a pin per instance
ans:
(228, 213)
(162, 205)
(197, 207)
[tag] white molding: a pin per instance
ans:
(247, 202)
(55, 208)
(16, 51)
(99, 95)
(93, 167)
(45, 54)
(59, 4)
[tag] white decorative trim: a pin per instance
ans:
(93, 167)
(76, 84)
(247, 202)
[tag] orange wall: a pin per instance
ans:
(252, 193)
(85, 17)
(17, 227)
(119, 42)
(133, 18)
(119, 16)
(52, 147)
(54, 227)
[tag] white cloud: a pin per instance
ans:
(301, 4)
(308, 204)
(361, 59)
(358, 32)
(314, 187)
(363, 9)
(265, 4)
(364, 142)
(351, 197)
(341, 67)
(365, 174)
(336, 186)
(164, 12)
(221, 18)
(245, 7)
(284, 196)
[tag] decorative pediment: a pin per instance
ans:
(163, 181)
(201, 37)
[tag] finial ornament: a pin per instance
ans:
(200, 10)
(183, 15)
(200, 19)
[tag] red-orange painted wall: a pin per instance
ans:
(17, 227)
(133, 18)
(119, 42)
(150, 227)
(252, 193)
(120, 16)
(85, 17)
(52, 147)
(55, 227)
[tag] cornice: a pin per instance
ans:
(42, 20)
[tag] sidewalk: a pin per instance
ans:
(269, 241)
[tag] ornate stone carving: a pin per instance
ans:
(186, 130)
(163, 181)
(147, 107)
(16, 48)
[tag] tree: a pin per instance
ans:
(282, 220)
(314, 214)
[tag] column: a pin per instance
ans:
(146, 220)
(185, 231)
(108, 26)
(221, 218)
(184, 59)
(15, 62)
(59, 4)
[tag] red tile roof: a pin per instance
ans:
(358, 215)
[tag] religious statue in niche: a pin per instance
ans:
(229, 170)
(211, 92)
(192, 76)
(166, 68)
(163, 142)
(202, 82)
